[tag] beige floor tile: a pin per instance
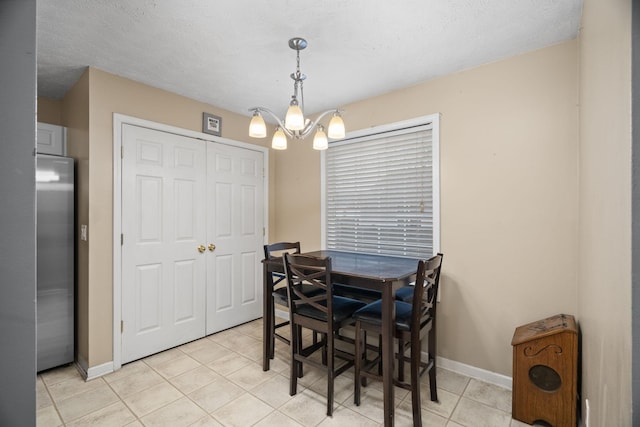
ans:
(73, 386)
(194, 379)
(196, 345)
(473, 414)
(404, 415)
(308, 408)
(444, 406)
(229, 363)
(280, 363)
(346, 417)
(516, 423)
(82, 404)
(153, 398)
(176, 366)
(180, 413)
(57, 375)
(254, 353)
(140, 379)
(371, 404)
(448, 380)
(127, 370)
(222, 336)
(311, 375)
(207, 421)
(116, 414)
(42, 395)
(48, 417)
(209, 352)
(241, 343)
(136, 423)
(342, 387)
(162, 357)
(246, 410)
(216, 394)
(454, 424)
(274, 391)
(489, 394)
(256, 331)
(250, 376)
(277, 418)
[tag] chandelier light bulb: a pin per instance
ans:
(336, 127)
(294, 120)
(279, 141)
(257, 127)
(320, 141)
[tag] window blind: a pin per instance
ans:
(380, 192)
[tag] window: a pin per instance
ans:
(381, 190)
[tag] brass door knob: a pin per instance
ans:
(212, 247)
(201, 249)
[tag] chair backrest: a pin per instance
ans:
(312, 271)
(424, 297)
(276, 250)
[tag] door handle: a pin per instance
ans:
(201, 249)
(212, 247)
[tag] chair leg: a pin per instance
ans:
(272, 337)
(330, 374)
(432, 357)
(415, 382)
(324, 350)
(357, 362)
(300, 346)
(293, 349)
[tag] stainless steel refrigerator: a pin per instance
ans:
(55, 270)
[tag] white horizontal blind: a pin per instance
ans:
(379, 193)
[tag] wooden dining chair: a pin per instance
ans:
(279, 292)
(323, 312)
(414, 322)
(406, 292)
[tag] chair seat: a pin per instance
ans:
(356, 293)
(280, 294)
(372, 313)
(405, 294)
(342, 309)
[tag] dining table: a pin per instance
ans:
(382, 273)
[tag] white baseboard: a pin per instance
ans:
(94, 372)
(472, 371)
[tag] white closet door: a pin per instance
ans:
(163, 224)
(235, 225)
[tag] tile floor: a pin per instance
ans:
(218, 381)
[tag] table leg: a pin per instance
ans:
(266, 316)
(388, 320)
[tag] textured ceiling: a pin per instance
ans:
(234, 54)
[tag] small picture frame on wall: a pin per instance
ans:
(211, 124)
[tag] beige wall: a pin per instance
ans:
(604, 274)
(49, 111)
(75, 116)
(508, 195)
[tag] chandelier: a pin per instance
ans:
(295, 125)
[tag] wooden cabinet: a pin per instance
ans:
(545, 371)
(52, 139)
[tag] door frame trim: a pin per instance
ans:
(120, 120)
